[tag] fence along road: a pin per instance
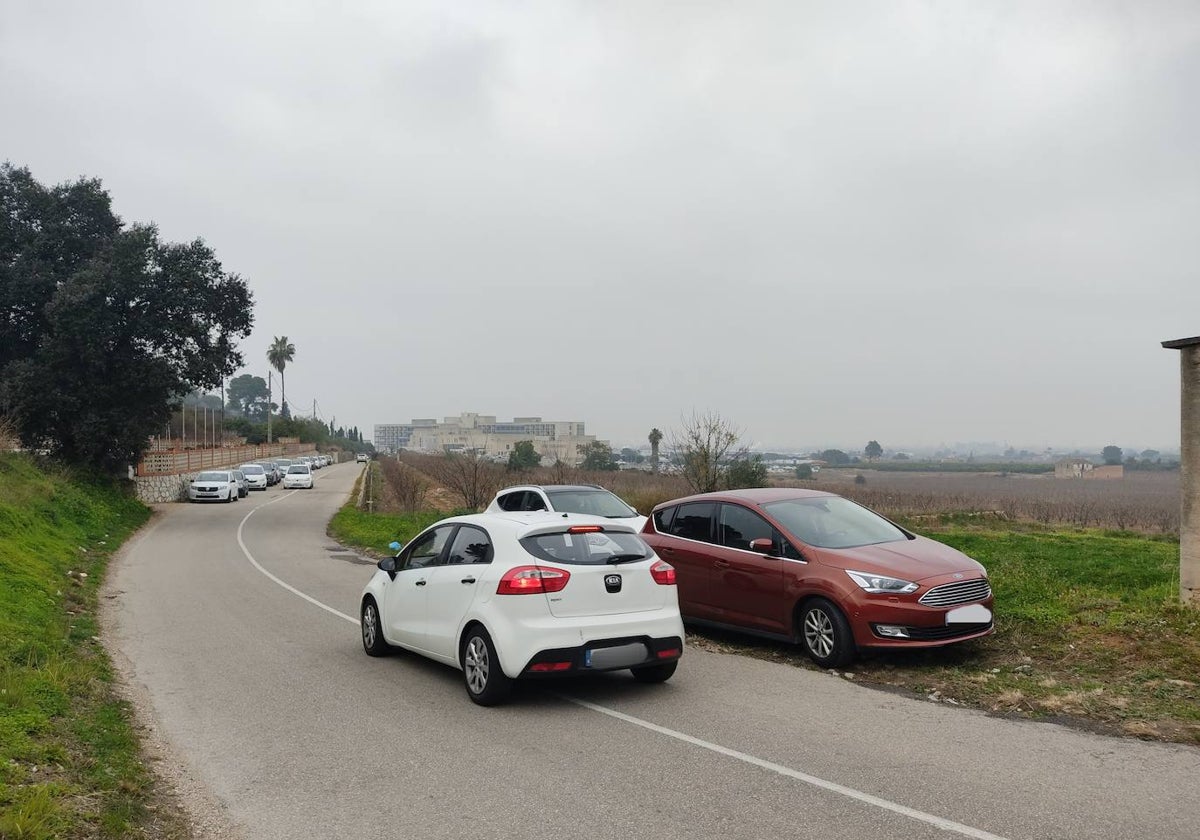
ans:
(264, 690)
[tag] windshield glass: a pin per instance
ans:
(213, 476)
(595, 549)
(298, 468)
(833, 522)
(252, 469)
(593, 502)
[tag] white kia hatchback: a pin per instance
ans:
(504, 596)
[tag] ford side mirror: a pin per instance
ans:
(763, 545)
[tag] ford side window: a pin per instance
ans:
(662, 520)
(739, 526)
(693, 521)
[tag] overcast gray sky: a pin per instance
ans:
(919, 222)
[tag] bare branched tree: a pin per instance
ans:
(470, 476)
(702, 447)
(407, 489)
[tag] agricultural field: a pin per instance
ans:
(1147, 502)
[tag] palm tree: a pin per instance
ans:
(279, 354)
(655, 438)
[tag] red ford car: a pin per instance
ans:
(817, 569)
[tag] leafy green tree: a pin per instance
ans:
(1111, 454)
(746, 471)
(248, 395)
(279, 354)
(872, 450)
(804, 471)
(523, 456)
(103, 326)
(834, 457)
(597, 456)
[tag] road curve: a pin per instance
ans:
(237, 623)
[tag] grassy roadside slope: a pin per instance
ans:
(69, 761)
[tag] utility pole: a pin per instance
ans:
(1189, 469)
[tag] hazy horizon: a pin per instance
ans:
(822, 221)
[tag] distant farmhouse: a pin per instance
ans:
(554, 440)
(1083, 468)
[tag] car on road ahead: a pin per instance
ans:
(361, 458)
(243, 485)
(589, 499)
(817, 569)
(504, 596)
(213, 486)
(298, 476)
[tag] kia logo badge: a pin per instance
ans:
(612, 583)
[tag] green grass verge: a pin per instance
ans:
(1089, 630)
(372, 532)
(69, 760)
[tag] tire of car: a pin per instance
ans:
(655, 673)
(229, 497)
(486, 683)
(825, 634)
(372, 631)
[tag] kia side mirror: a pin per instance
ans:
(388, 564)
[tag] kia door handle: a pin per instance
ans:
(467, 580)
(420, 583)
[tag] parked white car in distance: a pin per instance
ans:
(503, 596)
(213, 486)
(298, 476)
(256, 476)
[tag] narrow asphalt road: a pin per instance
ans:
(238, 624)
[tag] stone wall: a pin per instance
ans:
(153, 489)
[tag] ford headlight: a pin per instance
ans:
(881, 584)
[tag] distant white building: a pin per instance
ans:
(554, 440)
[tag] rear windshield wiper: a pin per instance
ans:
(624, 558)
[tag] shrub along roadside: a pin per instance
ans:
(69, 760)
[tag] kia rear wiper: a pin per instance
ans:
(624, 558)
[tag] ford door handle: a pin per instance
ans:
(467, 580)
(420, 583)
(665, 550)
(720, 564)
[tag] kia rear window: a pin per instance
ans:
(591, 549)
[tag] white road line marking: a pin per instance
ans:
(284, 584)
(833, 787)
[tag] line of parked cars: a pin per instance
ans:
(229, 485)
(568, 579)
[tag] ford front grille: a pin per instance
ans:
(959, 592)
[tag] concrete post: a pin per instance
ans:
(1189, 468)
